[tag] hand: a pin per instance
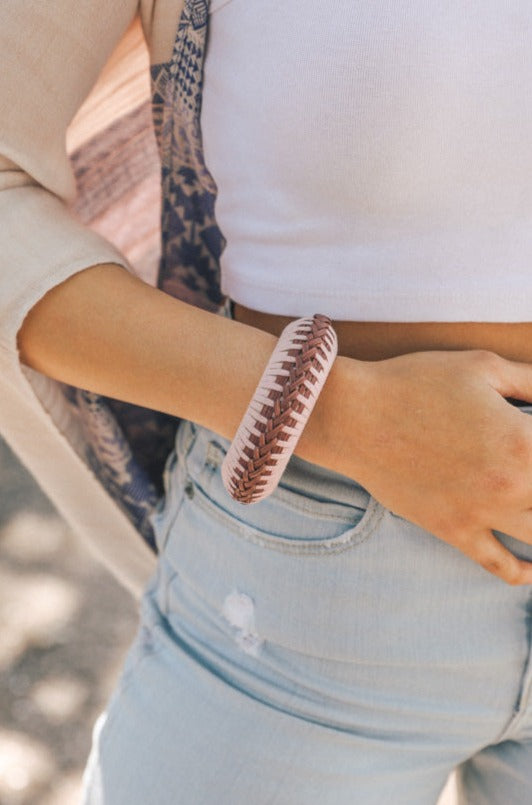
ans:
(433, 439)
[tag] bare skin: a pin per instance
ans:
(459, 464)
(375, 340)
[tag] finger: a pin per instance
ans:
(488, 552)
(519, 526)
(513, 378)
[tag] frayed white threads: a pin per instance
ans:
(239, 610)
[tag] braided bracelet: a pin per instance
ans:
(280, 408)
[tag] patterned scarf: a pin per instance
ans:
(127, 445)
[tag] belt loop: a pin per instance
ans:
(185, 437)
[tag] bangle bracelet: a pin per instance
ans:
(280, 408)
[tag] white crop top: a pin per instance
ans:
(373, 159)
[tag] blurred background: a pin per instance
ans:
(65, 626)
(65, 623)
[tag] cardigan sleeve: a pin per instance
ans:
(52, 54)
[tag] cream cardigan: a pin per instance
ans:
(52, 54)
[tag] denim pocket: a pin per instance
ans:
(290, 520)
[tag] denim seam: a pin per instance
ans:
(125, 680)
(183, 451)
(169, 524)
(212, 455)
(320, 547)
(522, 703)
(173, 497)
(293, 498)
(286, 496)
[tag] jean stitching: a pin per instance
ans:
(183, 452)
(320, 547)
(125, 681)
(313, 507)
(209, 460)
(172, 496)
(288, 497)
(169, 524)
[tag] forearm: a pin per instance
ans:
(109, 332)
(428, 434)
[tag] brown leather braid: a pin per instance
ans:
(251, 475)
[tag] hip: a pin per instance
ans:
(334, 598)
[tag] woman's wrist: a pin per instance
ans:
(322, 441)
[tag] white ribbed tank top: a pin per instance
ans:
(373, 159)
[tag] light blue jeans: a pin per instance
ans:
(313, 649)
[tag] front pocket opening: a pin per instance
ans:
(320, 541)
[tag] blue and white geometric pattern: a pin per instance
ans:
(126, 445)
(191, 240)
